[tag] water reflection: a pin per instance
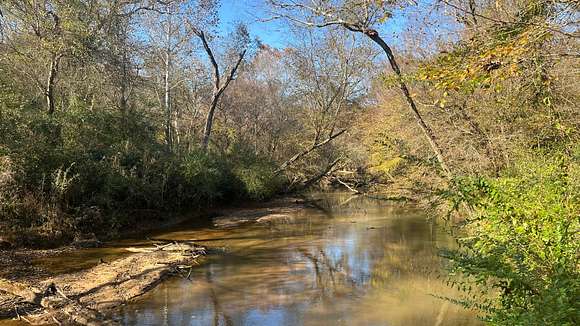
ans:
(359, 262)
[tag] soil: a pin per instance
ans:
(83, 296)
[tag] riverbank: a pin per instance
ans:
(122, 278)
(83, 297)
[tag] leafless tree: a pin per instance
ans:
(169, 47)
(220, 82)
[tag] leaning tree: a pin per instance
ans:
(359, 16)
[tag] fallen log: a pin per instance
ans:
(296, 157)
(348, 186)
(177, 247)
(319, 176)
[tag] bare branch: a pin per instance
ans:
(499, 21)
(308, 151)
(231, 75)
(216, 70)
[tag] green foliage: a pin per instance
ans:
(481, 63)
(236, 174)
(83, 171)
(521, 241)
(259, 180)
(209, 175)
(384, 154)
(515, 58)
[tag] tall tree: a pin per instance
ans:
(169, 45)
(359, 16)
(331, 72)
(241, 40)
(42, 22)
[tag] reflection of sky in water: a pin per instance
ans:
(323, 269)
(359, 262)
(271, 317)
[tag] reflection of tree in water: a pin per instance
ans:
(217, 308)
(407, 252)
(324, 272)
(396, 250)
(321, 267)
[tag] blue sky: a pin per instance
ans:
(250, 12)
(276, 34)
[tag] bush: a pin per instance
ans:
(83, 171)
(259, 180)
(235, 175)
(207, 177)
(521, 241)
(8, 189)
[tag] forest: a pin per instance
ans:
(119, 114)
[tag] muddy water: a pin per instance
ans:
(357, 262)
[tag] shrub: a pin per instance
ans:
(521, 241)
(207, 178)
(8, 189)
(83, 171)
(259, 180)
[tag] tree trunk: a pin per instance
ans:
(429, 134)
(219, 88)
(307, 151)
(482, 137)
(209, 121)
(167, 102)
(50, 83)
(123, 87)
(167, 87)
(319, 176)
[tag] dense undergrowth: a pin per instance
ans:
(520, 243)
(99, 172)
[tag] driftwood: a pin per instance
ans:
(165, 241)
(348, 200)
(348, 187)
(80, 298)
(176, 246)
(28, 293)
(55, 303)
